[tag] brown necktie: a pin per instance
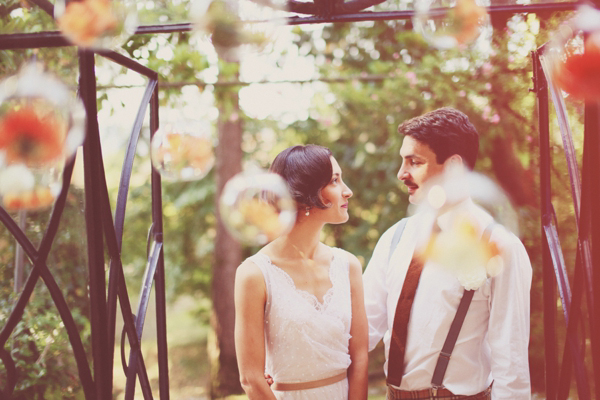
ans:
(400, 328)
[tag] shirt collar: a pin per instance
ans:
(466, 206)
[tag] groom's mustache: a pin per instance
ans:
(410, 183)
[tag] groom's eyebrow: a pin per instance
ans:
(412, 157)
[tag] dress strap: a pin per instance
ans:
(340, 257)
(263, 262)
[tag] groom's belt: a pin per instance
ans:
(431, 393)
(282, 386)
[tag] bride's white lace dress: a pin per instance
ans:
(307, 340)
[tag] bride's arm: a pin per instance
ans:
(358, 371)
(250, 297)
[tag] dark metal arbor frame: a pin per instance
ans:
(101, 228)
(585, 192)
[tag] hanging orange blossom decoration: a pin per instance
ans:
(464, 252)
(41, 124)
(30, 137)
(85, 21)
(468, 17)
(179, 155)
(579, 73)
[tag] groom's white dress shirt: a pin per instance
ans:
(493, 342)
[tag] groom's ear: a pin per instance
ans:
(453, 161)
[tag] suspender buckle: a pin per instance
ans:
(445, 355)
(434, 391)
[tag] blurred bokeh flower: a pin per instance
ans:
(20, 190)
(261, 215)
(464, 252)
(31, 136)
(233, 24)
(85, 21)
(257, 207)
(450, 23)
(467, 19)
(182, 156)
(579, 73)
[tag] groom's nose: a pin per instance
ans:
(402, 174)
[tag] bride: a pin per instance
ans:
(300, 315)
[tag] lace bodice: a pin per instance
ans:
(305, 339)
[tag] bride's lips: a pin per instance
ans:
(345, 205)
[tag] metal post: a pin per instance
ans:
(591, 166)
(541, 89)
(20, 256)
(159, 277)
(93, 213)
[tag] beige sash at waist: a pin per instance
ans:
(282, 386)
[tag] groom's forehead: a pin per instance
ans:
(412, 147)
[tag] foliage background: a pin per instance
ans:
(382, 74)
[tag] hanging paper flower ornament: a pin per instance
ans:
(235, 26)
(40, 121)
(574, 60)
(256, 207)
(180, 154)
(451, 23)
(30, 137)
(96, 23)
(26, 188)
(41, 124)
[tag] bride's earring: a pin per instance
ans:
(307, 213)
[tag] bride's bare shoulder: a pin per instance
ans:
(353, 261)
(248, 271)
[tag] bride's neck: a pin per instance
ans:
(301, 240)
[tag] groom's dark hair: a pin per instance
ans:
(307, 170)
(446, 131)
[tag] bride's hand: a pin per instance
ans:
(269, 379)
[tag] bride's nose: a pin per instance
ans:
(347, 192)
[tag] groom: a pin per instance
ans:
(486, 355)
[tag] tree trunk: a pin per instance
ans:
(228, 253)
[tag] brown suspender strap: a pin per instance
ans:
(400, 328)
(444, 357)
(459, 318)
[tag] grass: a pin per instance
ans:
(188, 360)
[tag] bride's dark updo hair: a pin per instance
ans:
(307, 170)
